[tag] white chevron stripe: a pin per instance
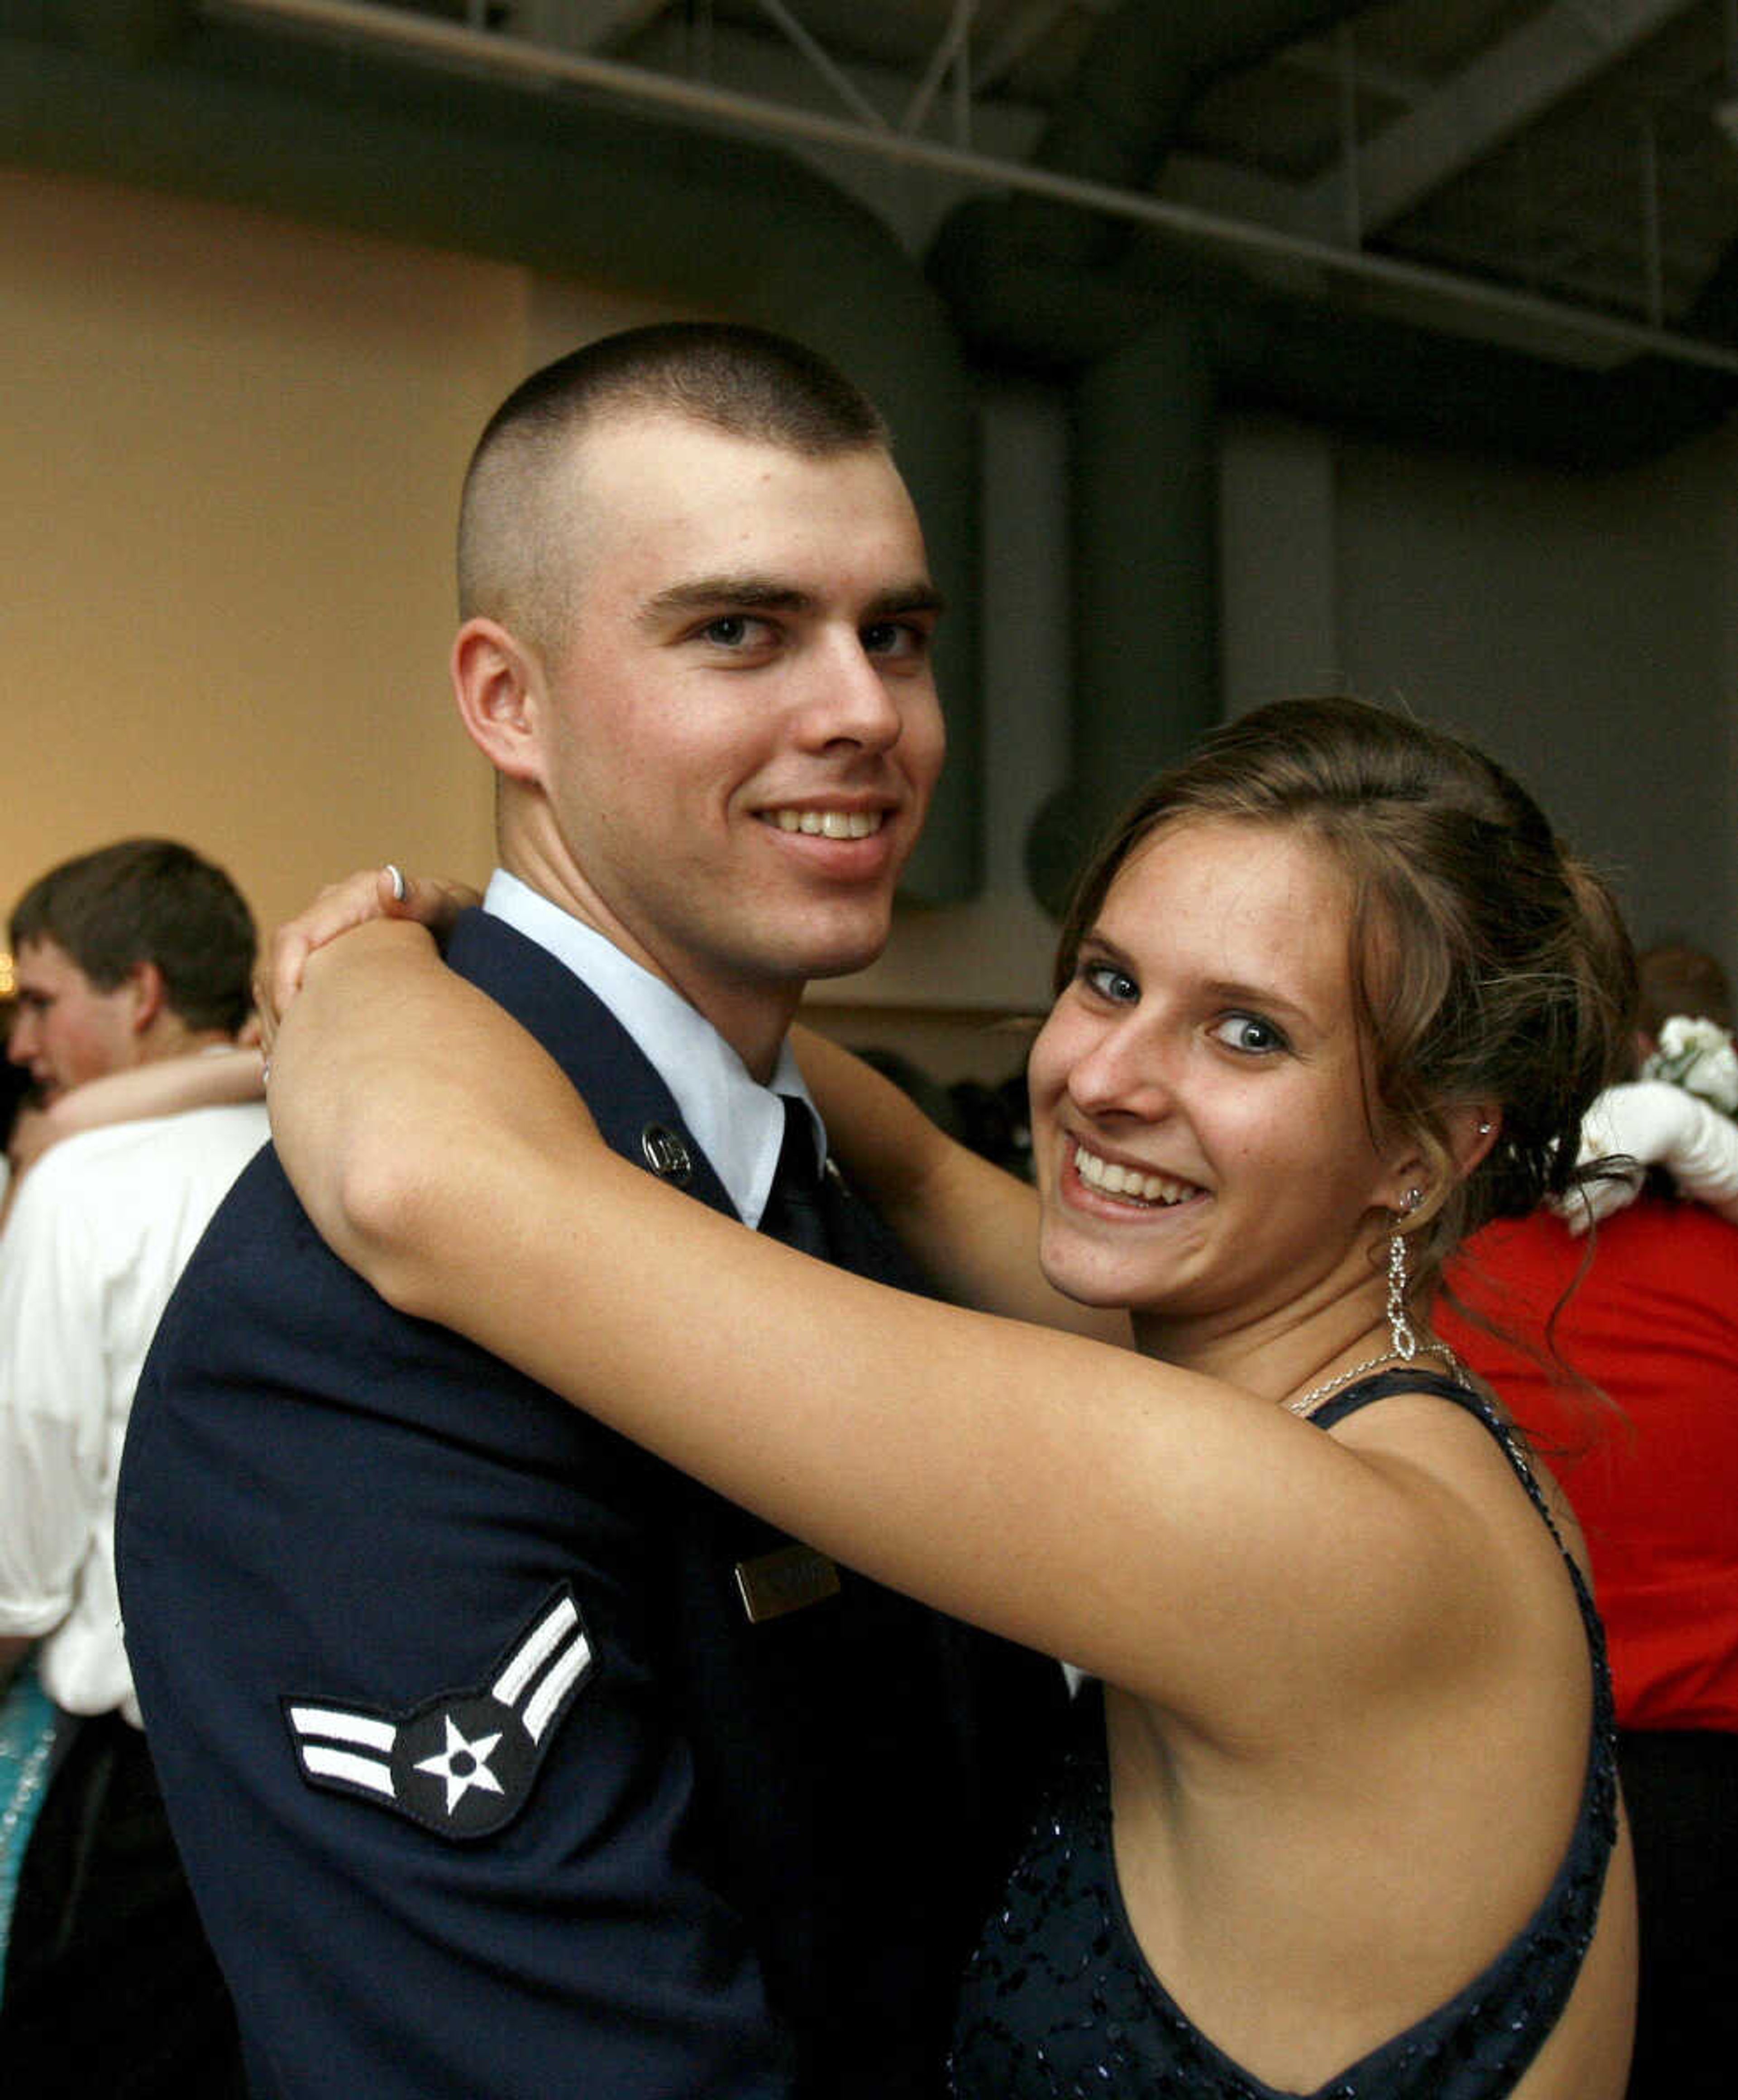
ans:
(567, 1667)
(343, 1727)
(343, 1764)
(531, 1654)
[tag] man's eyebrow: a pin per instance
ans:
(919, 596)
(750, 593)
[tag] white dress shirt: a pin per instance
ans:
(102, 1229)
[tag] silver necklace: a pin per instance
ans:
(1305, 1401)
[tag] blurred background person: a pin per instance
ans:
(27, 1719)
(131, 960)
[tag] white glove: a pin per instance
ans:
(1656, 1124)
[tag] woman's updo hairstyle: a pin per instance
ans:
(1487, 963)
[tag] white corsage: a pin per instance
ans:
(1697, 1056)
(1677, 1115)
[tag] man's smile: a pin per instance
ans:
(826, 823)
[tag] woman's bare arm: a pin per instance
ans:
(210, 1079)
(972, 1226)
(205, 1079)
(1170, 1533)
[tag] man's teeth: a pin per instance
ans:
(828, 823)
(1128, 1182)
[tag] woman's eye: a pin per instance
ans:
(1109, 982)
(1249, 1033)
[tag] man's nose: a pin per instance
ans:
(849, 701)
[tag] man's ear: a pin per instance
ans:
(498, 684)
(147, 994)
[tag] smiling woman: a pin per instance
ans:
(1332, 995)
(1203, 1039)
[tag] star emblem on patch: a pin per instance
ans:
(462, 1764)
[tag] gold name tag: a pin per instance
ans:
(787, 1581)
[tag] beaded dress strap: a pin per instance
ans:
(1386, 1385)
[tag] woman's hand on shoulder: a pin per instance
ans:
(434, 902)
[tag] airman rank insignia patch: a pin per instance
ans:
(461, 1764)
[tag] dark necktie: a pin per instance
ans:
(793, 1212)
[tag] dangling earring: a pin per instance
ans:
(1399, 1327)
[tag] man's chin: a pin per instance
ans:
(840, 943)
(843, 959)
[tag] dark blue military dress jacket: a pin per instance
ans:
(497, 1768)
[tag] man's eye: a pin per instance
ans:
(895, 637)
(1109, 982)
(735, 630)
(1250, 1033)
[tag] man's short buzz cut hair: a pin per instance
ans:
(149, 901)
(744, 381)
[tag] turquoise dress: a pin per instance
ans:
(27, 1741)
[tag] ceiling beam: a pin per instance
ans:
(1467, 301)
(1027, 28)
(1564, 47)
(581, 25)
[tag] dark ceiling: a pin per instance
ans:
(1570, 149)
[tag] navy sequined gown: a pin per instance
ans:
(1059, 2001)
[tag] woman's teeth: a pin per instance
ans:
(1128, 1182)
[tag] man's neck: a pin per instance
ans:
(753, 1018)
(728, 1110)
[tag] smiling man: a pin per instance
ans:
(505, 1761)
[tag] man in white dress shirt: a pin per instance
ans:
(137, 953)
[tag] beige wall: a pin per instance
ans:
(227, 499)
(226, 491)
